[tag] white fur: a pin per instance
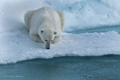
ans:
(47, 20)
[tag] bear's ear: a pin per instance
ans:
(55, 32)
(42, 31)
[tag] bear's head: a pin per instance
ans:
(47, 35)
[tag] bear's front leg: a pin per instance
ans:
(35, 38)
(56, 39)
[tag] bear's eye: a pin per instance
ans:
(41, 31)
(55, 32)
(45, 40)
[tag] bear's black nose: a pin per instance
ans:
(48, 48)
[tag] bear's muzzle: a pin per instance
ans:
(47, 45)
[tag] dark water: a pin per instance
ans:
(64, 68)
(97, 29)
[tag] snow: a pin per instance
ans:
(15, 44)
(91, 13)
(81, 14)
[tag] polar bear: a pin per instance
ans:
(45, 25)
